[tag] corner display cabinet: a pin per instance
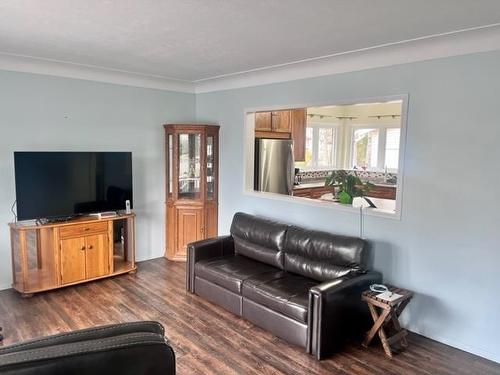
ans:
(192, 186)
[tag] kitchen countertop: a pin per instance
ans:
(383, 205)
(308, 185)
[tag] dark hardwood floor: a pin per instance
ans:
(206, 338)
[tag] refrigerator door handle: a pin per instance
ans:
(290, 170)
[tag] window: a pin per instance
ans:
(392, 148)
(321, 141)
(375, 148)
(365, 148)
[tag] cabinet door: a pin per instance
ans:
(280, 121)
(298, 124)
(189, 228)
(72, 260)
(263, 121)
(97, 255)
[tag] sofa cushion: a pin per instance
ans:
(323, 256)
(230, 271)
(259, 239)
(286, 293)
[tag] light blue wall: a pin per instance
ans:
(48, 113)
(447, 245)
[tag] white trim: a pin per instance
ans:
(462, 42)
(455, 43)
(323, 204)
(248, 156)
(28, 64)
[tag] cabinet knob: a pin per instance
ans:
(89, 247)
(82, 248)
(86, 229)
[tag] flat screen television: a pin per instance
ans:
(52, 185)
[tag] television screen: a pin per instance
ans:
(58, 184)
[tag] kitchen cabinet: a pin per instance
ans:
(286, 124)
(298, 123)
(382, 191)
(274, 122)
(263, 121)
(280, 121)
(311, 192)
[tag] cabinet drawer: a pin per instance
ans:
(83, 229)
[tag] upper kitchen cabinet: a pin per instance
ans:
(280, 121)
(285, 124)
(263, 122)
(298, 124)
(273, 123)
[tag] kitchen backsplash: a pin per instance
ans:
(313, 176)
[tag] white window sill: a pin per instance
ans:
(394, 215)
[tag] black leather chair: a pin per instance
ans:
(129, 348)
(304, 286)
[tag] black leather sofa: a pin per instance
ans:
(128, 348)
(303, 285)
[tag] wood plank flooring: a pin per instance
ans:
(206, 338)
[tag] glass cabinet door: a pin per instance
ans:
(210, 168)
(189, 166)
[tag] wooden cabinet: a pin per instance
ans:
(84, 258)
(72, 260)
(384, 192)
(286, 124)
(298, 123)
(312, 192)
(263, 121)
(189, 227)
(280, 121)
(273, 123)
(50, 256)
(192, 186)
(96, 256)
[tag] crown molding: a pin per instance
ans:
(462, 42)
(28, 64)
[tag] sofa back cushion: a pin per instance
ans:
(258, 238)
(323, 256)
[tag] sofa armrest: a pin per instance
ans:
(337, 313)
(206, 249)
(134, 348)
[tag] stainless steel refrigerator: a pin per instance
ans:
(274, 166)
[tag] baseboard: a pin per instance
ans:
(5, 286)
(484, 353)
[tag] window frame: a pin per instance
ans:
(248, 154)
(382, 143)
(323, 125)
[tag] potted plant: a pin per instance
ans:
(350, 185)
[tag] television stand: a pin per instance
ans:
(52, 255)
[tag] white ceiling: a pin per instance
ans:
(193, 40)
